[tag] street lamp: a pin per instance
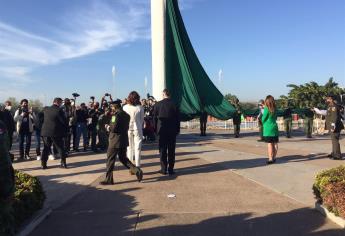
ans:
(145, 84)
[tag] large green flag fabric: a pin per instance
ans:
(186, 79)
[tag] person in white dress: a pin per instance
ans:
(135, 132)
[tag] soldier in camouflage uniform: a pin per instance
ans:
(287, 115)
(308, 122)
(334, 125)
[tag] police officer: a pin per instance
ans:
(237, 118)
(334, 126)
(118, 142)
(287, 115)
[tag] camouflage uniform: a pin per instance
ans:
(334, 125)
(237, 120)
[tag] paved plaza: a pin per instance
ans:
(222, 186)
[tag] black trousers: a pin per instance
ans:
(237, 128)
(93, 134)
(74, 133)
(27, 138)
(203, 124)
(111, 158)
(58, 144)
(336, 153)
(167, 144)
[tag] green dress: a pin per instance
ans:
(269, 122)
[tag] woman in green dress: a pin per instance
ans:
(270, 128)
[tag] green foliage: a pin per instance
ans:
(28, 198)
(36, 105)
(329, 189)
(310, 94)
(230, 97)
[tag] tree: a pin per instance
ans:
(310, 94)
(230, 97)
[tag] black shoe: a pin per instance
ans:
(76, 150)
(269, 162)
(172, 172)
(63, 165)
(44, 166)
(163, 172)
(105, 183)
(139, 174)
(330, 155)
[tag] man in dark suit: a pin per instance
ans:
(118, 142)
(54, 129)
(167, 124)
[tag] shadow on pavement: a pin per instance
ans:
(302, 221)
(94, 211)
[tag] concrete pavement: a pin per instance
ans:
(222, 187)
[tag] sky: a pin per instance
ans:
(55, 48)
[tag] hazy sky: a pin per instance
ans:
(55, 48)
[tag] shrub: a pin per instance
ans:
(28, 198)
(329, 189)
(334, 198)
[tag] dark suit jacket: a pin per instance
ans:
(7, 118)
(166, 117)
(118, 135)
(54, 122)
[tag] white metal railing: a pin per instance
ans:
(318, 125)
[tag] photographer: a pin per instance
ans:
(104, 102)
(94, 114)
(25, 127)
(81, 119)
(104, 119)
(69, 111)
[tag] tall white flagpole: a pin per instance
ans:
(158, 13)
(220, 76)
(113, 72)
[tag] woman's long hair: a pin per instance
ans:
(270, 104)
(133, 98)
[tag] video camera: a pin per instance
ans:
(75, 95)
(107, 94)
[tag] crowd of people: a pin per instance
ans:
(119, 127)
(116, 126)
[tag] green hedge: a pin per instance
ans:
(329, 189)
(28, 198)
